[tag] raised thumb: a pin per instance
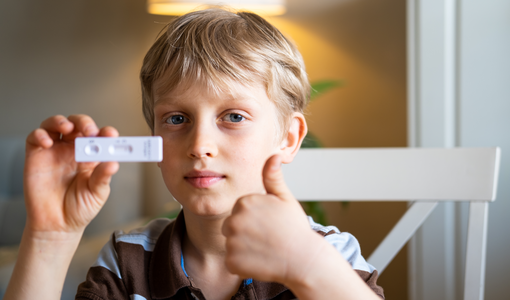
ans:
(274, 182)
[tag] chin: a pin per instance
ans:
(209, 208)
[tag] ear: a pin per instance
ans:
(292, 140)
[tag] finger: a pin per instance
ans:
(273, 179)
(39, 138)
(226, 227)
(232, 225)
(84, 125)
(57, 125)
(108, 131)
(99, 181)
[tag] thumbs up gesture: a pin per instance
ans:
(266, 234)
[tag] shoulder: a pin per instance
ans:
(145, 236)
(345, 243)
(122, 263)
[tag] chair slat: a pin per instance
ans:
(474, 279)
(400, 234)
(396, 174)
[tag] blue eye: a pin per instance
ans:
(236, 118)
(176, 119)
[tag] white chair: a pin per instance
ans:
(423, 176)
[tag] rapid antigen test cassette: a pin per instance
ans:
(122, 149)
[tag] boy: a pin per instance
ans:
(226, 92)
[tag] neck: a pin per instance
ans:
(204, 250)
(203, 239)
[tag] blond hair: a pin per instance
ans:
(215, 47)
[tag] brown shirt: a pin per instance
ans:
(146, 263)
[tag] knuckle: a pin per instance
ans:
(80, 118)
(231, 264)
(241, 203)
(73, 117)
(247, 201)
(109, 130)
(227, 227)
(272, 197)
(37, 134)
(230, 245)
(31, 136)
(231, 227)
(58, 118)
(86, 121)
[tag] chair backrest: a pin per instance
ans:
(421, 175)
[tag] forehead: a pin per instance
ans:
(230, 91)
(180, 78)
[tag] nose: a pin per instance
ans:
(202, 142)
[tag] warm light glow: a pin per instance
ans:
(175, 7)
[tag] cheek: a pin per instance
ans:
(171, 166)
(248, 156)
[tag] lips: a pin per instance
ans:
(203, 179)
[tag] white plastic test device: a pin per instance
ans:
(122, 149)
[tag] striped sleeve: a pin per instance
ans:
(121, 268)
(104, 280)
(348, 246)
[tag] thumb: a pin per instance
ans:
(99, 181)
(274, 182)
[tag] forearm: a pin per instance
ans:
(42, 265)
(328, 276)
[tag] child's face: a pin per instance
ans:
(215, 147)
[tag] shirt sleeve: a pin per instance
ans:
(348, 246)
(104, 280)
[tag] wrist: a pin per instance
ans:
(42, 264)
(327, 275)
(50, 243)
(53, 234)
(306, 261)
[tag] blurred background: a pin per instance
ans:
(398, 72)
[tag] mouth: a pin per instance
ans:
(203, 179)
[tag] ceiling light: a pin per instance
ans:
(180, 7)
